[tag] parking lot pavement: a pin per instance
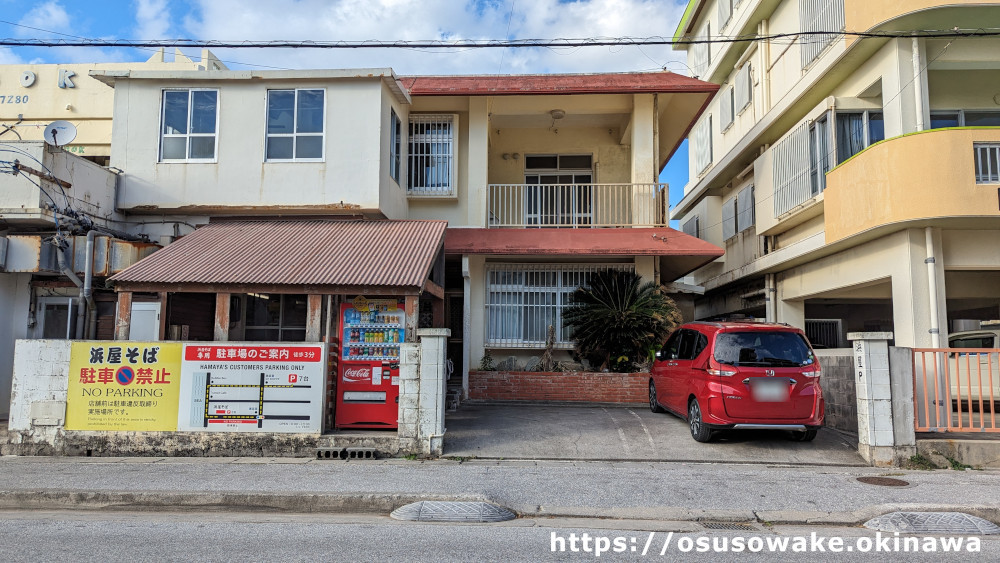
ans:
(620, 433)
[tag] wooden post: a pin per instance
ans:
(314, 318)
(123, 315)
(163, 315)
(412, 317)
(221, 317)
(437, 307)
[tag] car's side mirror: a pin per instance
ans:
(659, 355)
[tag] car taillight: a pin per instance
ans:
(814, 371)
(721, 372)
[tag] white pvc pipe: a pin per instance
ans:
(918, 89)
(932, 293)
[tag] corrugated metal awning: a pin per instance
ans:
(300, 256)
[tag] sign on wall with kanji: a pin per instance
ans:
(252, 387)
(123, 386)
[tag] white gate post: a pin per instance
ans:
(876, 440)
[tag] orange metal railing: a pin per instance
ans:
(956, 390)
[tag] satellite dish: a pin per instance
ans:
(60, 133)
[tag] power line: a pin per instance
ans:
(489, 43)
(151, 50)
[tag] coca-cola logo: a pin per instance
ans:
(357, 374)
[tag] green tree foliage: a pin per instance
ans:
(617, 319)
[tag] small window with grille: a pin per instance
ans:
(432, 158)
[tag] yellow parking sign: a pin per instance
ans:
(123, 386)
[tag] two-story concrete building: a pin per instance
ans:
(542, 180)
(852, 180)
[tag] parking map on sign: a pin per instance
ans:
(252, 388)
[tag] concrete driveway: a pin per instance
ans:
(618, 433)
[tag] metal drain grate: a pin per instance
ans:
(452, 511)
(346, 453)
(738, 526)
(883, 481)
(933, 523)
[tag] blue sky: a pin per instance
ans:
(358, 20)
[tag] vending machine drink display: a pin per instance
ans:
(371, 331)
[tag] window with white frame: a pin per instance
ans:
(701, 53)
(56, 317)
(987, 162)
(523, 300)
(856, 130)
(431, 158)
(729, 218)
(964, 118)
(702, 142)
(725, 12)
(395, 144)
(190, 120)
(295, 124)
(738, 213)
(726, 107)
(818, 16)
(743, 91)
(745, 209)
(819, 154)
(692, 227)
(558, 189)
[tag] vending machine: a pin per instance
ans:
(371, 331)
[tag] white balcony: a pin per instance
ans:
(577, 205)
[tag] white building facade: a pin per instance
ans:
(851, 180)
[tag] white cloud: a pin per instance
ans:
(152, 18)
(8, 57)
(358, 20)
(47, 15)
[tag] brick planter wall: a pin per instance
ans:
(575, 387)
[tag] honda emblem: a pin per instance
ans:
(769, 372)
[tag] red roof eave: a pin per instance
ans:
(553, 84)
(572, 242)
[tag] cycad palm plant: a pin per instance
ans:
(617, 318)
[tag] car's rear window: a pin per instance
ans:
(758, 348)
(973, 342)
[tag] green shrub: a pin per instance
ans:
(618, 319)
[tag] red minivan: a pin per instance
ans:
(739, 376)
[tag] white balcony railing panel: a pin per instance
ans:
(577, 205)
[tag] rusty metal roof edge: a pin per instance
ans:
(426, 238)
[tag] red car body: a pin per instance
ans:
(739, 375)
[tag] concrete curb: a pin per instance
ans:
(333, 503)
(384, 503)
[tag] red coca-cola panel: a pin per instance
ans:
(368, 371)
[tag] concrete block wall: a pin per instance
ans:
(39, 386)
(839, 391)
(422, 393)
(583, 387)
(38, 411)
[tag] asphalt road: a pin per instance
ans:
(108, 537)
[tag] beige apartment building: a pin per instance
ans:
(34, 95)
(853, 181)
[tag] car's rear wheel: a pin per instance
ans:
(807, 436)
(699, 431)
(653, 404)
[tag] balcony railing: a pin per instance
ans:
(577, 205)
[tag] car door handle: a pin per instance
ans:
(671, 363)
